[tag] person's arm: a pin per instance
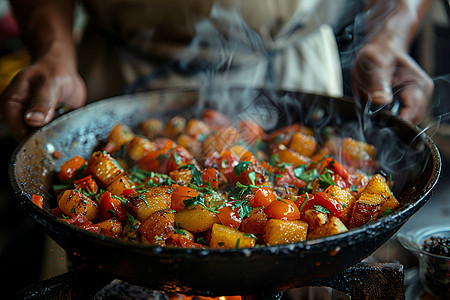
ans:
(383, 66)
(31, 97)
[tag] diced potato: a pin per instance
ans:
(174, 127)
(104, 168)
(345, 198)
(154, 199)
(119, 185)
(130, 231)
(217, 142)
(158, 226)
(333, 226)
(284, 232)
(111, 227)
(181, 177)
(151, 128)
(74, 202)
(197, 128)
(292, 157)
(193, 145)
(378, 185)
(315, 218)
(196, 218)
(358, 151)
(250, 132)
(120, 135)
(366, 209)
(226, 237)
(255, 222)
(237, 151)
(138, 147)
(303, 144)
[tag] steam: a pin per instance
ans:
(230, 59)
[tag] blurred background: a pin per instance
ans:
(24, 256)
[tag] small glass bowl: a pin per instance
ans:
(434, 269)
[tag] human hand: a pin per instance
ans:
(383, 69)
(34, 93)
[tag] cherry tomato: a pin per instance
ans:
(37, 200)
(179, 240)
(87, 184)
(336, 167)
(111, 207)
(229, 216)
(178, 157)
(287, 177)
(210, 175)
(179, 194)
(283, 209)
(262, 196)
(329, 202)
(127, 192)
(69, 168)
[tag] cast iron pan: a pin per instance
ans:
(403, 150)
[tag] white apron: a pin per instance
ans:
(137, 44)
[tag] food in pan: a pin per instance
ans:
(202, 182)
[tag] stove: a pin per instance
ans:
(362, 281)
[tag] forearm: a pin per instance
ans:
(46, 27)
(395, 20)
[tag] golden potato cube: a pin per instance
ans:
(151, 128)
(197, 127)
(154, 199)
(366, 209)
(138, 147)
(181, 177)
(75, 202)
(255, 222)
(347, 200)
(378, 185)
(104, 168)
(315, 218)
(292, 157)
(358, 151)
(226, 237)
(303, 144)
(196, 218)
(192, 144)
(158, 226)
(174, 127)
(119, 185)
(111, 227)
(284, 232)
(333, 226)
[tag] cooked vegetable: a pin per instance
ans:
(204, 183)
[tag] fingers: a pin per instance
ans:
(14, 101)
(414, 89)
(42, 103)
(378, 73)
(372, 76)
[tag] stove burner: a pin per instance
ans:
(362, 281)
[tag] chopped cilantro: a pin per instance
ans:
(180, 232)
(241, 167)
(325, 180)
(196, 174)
(321, 209)
(244, 208)
(387, 211)
(131, 221)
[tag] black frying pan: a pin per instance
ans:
(405, 152)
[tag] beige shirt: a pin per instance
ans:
(251, 43)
